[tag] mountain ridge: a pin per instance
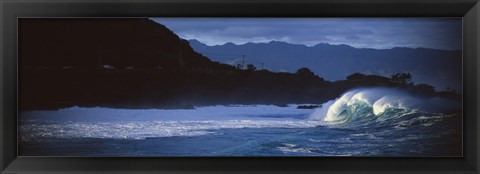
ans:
(333, 62)
(195, 41)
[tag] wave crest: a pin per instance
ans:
(370, 102)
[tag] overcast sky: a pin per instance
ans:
(380, 33)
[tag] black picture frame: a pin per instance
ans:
(10, 10)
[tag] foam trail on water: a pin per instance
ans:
(79, 122)
(146, 129)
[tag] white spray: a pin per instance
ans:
(380, 99)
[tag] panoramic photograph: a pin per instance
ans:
(226, 87)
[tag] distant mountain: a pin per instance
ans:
(335, 62)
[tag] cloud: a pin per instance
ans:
(439, 33)
(352, 37)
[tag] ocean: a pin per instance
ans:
(363, 122)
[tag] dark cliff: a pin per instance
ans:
(93, 42)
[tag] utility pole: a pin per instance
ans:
(243, 61)
(262, 66)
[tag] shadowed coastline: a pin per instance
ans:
(137, 63)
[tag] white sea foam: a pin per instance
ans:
(140, 124)
(293, 148)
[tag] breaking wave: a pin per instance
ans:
(367, 105)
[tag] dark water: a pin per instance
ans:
(429, 136)
(349, 126)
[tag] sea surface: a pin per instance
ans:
(364, 122)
